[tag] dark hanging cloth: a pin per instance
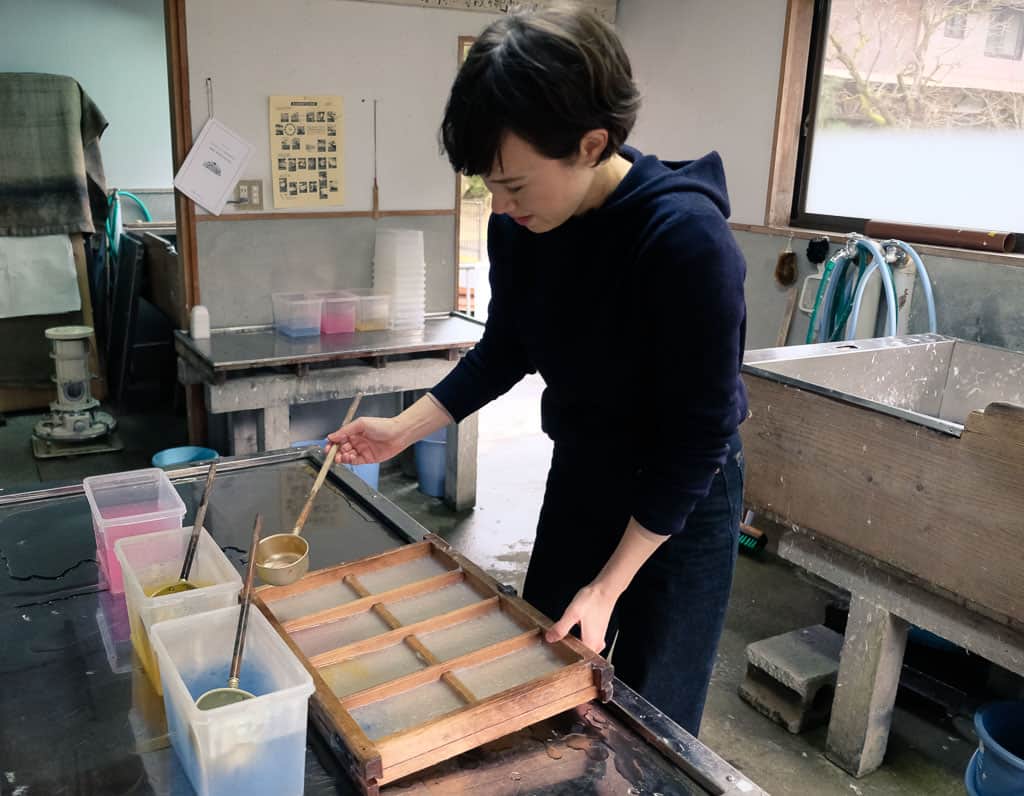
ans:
(51, 171)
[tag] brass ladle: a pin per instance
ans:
(183, 583)
(284, 557)
(219, 697)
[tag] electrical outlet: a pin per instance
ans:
(249, 195)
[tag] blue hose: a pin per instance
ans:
(926, 283)
(823, 288)
(114, 206)
(890, 289)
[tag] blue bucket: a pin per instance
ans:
(997, 768)
(186, 454)
(370, 473)
(431, 462)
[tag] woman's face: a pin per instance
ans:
(539, 192)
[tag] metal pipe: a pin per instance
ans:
(941, 236)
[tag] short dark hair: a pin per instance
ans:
(548, 77)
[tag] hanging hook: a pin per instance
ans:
(209, 97)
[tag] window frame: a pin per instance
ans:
(803, 60)
(1018, 47)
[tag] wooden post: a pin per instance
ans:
(869, 674)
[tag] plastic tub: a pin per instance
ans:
(374, 311)
(153, 561)
(297, 314)
(256, 747)
(431, 462)
(183, 455)
(338, 312)
(115, 632)
(129, 504)
(997, 768)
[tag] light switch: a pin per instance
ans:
(249, 195)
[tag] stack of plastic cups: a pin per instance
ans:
(399, 269)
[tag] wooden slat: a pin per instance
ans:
(512, 604)
(796, 49)
(345, 610)
(947, 511)
(414, 644)
(505, 725)
(315, 580)
(438, 669)
(365, 757)
(396, 635)
(285, 215)
(1001, 422)
(534, 695)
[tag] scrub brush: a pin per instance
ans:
(785, 265)
(752, 540)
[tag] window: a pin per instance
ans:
(956, 20)
(904, 122)
(1005, 33)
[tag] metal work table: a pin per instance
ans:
(255, 371)
(78, 715)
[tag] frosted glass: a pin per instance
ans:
(310, 602)
(435, 603)
(332, 635)
(451, 642)
(371, 669)
(510, 670)
(406, 710)
(401, 574)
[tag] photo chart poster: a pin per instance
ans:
(306, 151)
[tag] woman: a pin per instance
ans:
(617, 278)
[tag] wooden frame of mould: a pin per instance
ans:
(372, 763)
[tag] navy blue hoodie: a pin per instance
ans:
(634, 315)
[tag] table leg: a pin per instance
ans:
(276, 427)
(460, 470)
(869, 674)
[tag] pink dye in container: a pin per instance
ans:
(129, 504)
(338, 312)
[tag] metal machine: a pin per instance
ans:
(75, 425)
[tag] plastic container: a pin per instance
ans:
(129, 504)
(153, 561)
(997, 768)
(115, 631)
(186, 454)
(297, 314)
(431, 462)
(256, 747)
(199, 323)
(338, 312)
(374, 311)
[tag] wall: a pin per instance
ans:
(404, 57)
(709, 71)
(115, 49)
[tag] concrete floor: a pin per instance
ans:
(768, 598)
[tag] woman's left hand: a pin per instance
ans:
(591, 609)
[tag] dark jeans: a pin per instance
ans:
(670, 618)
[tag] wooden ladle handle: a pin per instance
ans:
(322, 475)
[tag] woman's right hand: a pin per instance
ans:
(368, 439)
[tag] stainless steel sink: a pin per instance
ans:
(929, 379)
